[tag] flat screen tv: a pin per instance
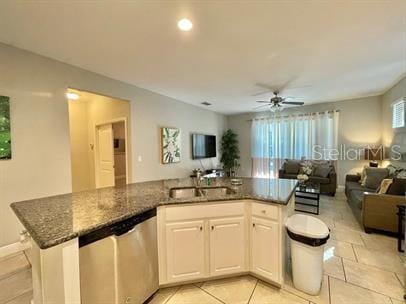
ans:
(203, 146)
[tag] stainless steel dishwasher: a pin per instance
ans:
(119, 263)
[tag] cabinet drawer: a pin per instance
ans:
(265, 210)
(188, 212)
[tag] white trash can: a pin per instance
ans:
(308, 236)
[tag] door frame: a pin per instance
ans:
(96, 146)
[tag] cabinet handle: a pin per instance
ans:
(263, 211)
(253, 224)
(201, 228)
(212, 227)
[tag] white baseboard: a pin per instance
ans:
(14, 248)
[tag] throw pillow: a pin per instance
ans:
(385, 184)
(291, 167)
(363, 176)
(392, 170)
(401, 174)
(374, 177)
(322, 171)
(306, 167)
(398, 187)
(321, 162)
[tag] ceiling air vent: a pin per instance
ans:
(206, 103)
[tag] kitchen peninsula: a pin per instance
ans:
(235, 222)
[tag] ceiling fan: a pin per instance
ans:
(276, 102)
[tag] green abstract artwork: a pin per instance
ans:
(170, 141)
(5, 134)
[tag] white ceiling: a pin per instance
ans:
(336, 49)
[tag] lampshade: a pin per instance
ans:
(373, 153)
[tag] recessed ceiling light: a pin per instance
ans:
(185, 25)
(72, 96)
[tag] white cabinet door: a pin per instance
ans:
(185, 250)
(265, 258)
(227, 245)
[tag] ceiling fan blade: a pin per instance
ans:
(265, 86)
(262, 106)
(285, 85)
(261, 93)
(297, 103)
(268, 89)
(263, 101)
(279, 88)
(292, 97)
(297, 87)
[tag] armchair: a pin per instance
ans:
(374, 211)
(379, 211)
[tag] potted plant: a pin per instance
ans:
(230, 154)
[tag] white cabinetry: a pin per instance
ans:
(227, 246)
(185, 250)
(200, 241)
(265, 258)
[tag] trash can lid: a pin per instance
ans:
(307, 226)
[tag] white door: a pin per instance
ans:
(185, 250)
(265, 248)
(227, 246)
(104, 156)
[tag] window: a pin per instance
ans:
(309, 136)
(398, 114)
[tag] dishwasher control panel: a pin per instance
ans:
(119, 228)
(128, 224)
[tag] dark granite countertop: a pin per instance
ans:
(57, 219)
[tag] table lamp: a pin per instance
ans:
(373, 155)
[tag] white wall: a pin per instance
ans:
(40, 129)
(79, 139)
(388, 134)
(360, 124)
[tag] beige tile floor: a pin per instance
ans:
(15, 280)
(359, 268)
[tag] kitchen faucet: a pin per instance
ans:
(199, 178)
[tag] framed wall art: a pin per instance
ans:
(5, 132)
(170, 145)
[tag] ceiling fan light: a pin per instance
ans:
(275, 108)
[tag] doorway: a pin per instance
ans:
(100, 140)
(120, 162)
(110, 154)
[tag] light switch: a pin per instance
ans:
(139, 158)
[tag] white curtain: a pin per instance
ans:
(307, 136)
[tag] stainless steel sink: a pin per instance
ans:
(184, 192)
(216, 191)
(187, 192)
